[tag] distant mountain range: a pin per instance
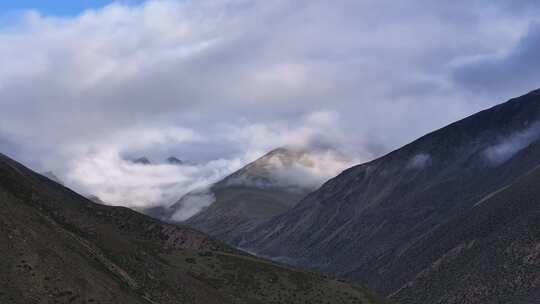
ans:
(59, 247)
(146, 161)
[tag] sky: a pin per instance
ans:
(87, 85)
(56, 7)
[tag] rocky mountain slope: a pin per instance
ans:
(58, 247)
(489, 254)
(449, 218)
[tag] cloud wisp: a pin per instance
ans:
(509, 146)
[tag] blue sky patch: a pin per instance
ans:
(55, 7)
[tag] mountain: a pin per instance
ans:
(174, 161)
(269, 186)
(142, 161)
(59, 247)
(449, 218)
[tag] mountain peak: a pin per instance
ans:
(142, 161)
(286, 153)
(286, 156)
(269, 170)
(174, 161)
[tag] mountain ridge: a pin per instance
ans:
(360, 223)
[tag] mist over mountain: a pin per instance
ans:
(268, 186)
(460, 197)
(119, 181)
(158, 179)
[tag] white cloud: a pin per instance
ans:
(419, 161)
(509, 146)
(102, 169)
(117, 181)
(192, 203)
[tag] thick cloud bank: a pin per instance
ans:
(220, 82)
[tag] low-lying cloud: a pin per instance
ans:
(118, 181)
(419, 161)
(107, 171)
(312, 170)
(192, 203)
(509, 146)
